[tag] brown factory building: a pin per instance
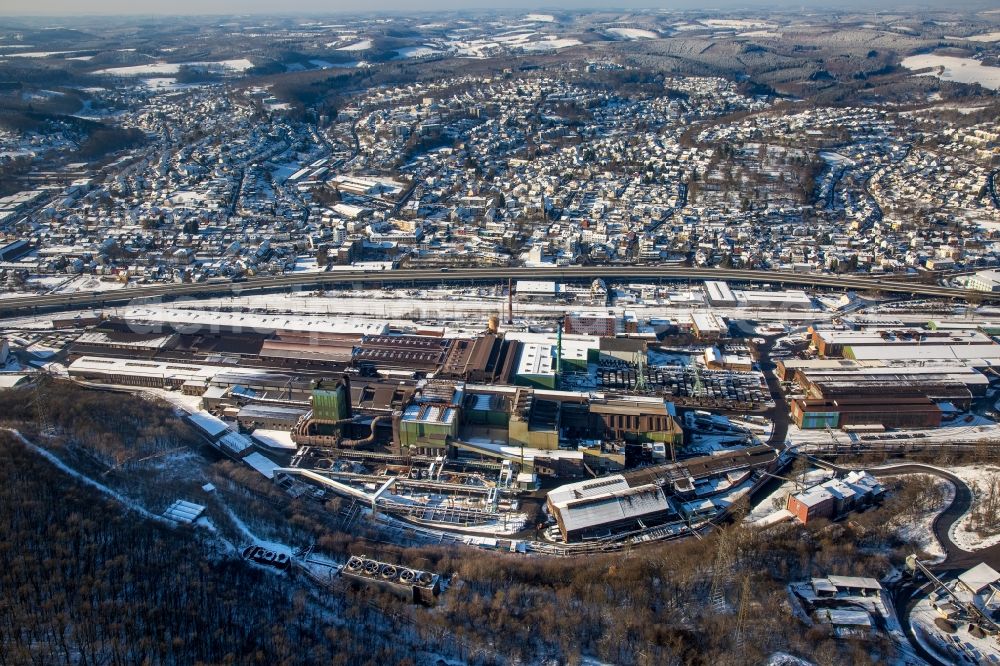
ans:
(635, 419)
(591, 324)
(481, 360)
(309, 346)
(886, 410)
(815, 503)
(402, 352)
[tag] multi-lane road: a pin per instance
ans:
(22, 304)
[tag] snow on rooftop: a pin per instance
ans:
(707, 321)
(536, 287)
(275, 439)
(183, 512)
(262, 464)
(979, 577)
(239, 65)
(208, 424)
(235, 442)
(536, 360)
(588, 488)
(429, 414)
(263, 323)
(855, 582)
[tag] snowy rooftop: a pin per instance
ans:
(979, 577)
(262, 323)
(184, 512)
(589, 488)
(429, 414)
(535, 360)
(262, 464)
(536, 287)
(610, 507)
(235, 442)
(855, 582)
(276, 439)
(707, 321)
(212, 426)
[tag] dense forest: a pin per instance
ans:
(98, 583)
(84, 582)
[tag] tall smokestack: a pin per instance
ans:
(345, 381)
(510, 301)
(559, 349)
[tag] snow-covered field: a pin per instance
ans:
(977, 478)
(167, 84)
(550, 43)
(762, 33)
(239, 65)
(39, 54)
(959, 70)
(633, 33)
(540, 18)
(88, 283)
(737, 23)
(986, 37)
(835, 159)
(416, 52)
(363, 45)
(306, 264)
(182, 401)
(918, 528)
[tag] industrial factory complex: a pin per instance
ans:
(578, 428)
(603, 425)
(519, 336)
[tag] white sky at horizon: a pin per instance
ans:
(243, 7)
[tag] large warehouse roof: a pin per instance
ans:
(192, 320)
(610, 508)
(588, 488)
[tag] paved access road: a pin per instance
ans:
(909, 591)
(956, 558)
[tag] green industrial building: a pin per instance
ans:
(331, 401)
(427, 428)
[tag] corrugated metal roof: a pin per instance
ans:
(612, 507)
(184, 512)
(235, 442)
(588, 488)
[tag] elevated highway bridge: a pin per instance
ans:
(83, 300)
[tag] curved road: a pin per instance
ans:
(779, 413)
(956, 558)
(119, 296)
(908, 593)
